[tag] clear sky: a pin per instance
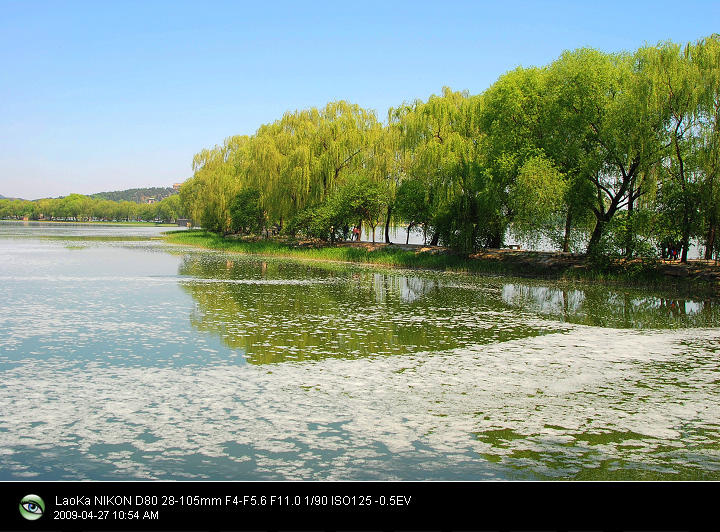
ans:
(102, 95)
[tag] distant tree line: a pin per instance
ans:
(77, 207)
(138, 195)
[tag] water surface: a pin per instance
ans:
(125, 358)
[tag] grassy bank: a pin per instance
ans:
(559, 266)
(381, 255)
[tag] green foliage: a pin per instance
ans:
(600, 101)
(537, 194)
(246, 212)
(169, 209)
(631, 235)
(313, 222)
(359, 200)
(295, 163)
(79, 208)
(613, 153)
(137, 195)
(413, 205)
(455, 224)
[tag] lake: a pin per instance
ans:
(125, 358)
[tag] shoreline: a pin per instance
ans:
(697, 277)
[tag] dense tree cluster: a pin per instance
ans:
(77, 207)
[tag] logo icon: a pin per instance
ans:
(32, 507)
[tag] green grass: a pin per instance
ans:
(385, 256)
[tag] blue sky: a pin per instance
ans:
(102, 95)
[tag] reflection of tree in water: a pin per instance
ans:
(343, 314)
(408, 289)
(606, 308)
(543, 299)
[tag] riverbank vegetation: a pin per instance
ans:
(611, 154)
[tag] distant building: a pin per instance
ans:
(177, 186)
(150, 200)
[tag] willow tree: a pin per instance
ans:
(412, 206)
(601, 102)
(364, 199)
(388, 164)
(676, 90)
(280, 163)
(521, 118)
(521, 136)
(706, 55)
(218, 177)
(538, 192)
(344, 135)
(300, 159)
(441, 145)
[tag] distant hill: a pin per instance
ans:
(5, 197)
(138, 195)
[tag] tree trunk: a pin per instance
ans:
(629, 230)
(596, 236)
(685, 243)
(495, 242)
(710, 239)
(407, 239)
(686, 222)
(686, 206)
(387, 225)
(435, 239)
(568, 225)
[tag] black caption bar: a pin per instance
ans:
(357, 506)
